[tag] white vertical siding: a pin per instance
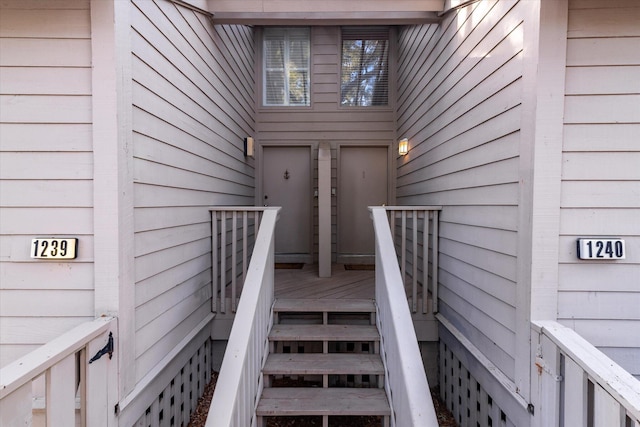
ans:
(193, 96)
(601, 176)
(45, 169)
(459, 102)
(325, 120)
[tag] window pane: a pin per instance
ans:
(274, 88)
(365, 71)
(298, 87)
(274, 54)
(286, 66)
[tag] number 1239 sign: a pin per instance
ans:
(54, 248)
(601, 249)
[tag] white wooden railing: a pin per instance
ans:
(415, 236)
(240, 380)
(578, 385)
(233, 233)
(406, 382)
(63, 363)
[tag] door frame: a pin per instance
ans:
(391, 193)
(259, 194)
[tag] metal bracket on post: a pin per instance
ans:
(107, 349)
(542, 366)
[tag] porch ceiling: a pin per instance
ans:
(325, 12)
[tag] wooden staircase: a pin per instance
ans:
(324, 362)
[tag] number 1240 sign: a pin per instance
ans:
(602, 249)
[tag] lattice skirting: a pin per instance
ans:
(175, 404)
(465, 397)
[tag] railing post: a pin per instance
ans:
(101, 382)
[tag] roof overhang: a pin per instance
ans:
(323, 12)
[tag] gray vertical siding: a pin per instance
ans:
(459, 99)
(46, 170)
(601, 176)
(193, 96)
(325, 120)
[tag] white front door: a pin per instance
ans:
(287, 183)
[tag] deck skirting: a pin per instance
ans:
(171, 394)
(476, 393)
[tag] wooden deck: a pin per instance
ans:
(305, 283)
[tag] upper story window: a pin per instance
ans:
(365, 67)
(286, 67)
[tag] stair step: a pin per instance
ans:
(320, 364)
(325, 305)
(287, 332)
(297, 401)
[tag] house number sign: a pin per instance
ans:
(54, 248)
(602, 249)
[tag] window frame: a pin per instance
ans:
(286, 70)
(367, 34)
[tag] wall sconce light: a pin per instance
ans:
(403, 147)
(248, 147)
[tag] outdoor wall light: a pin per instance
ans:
(248, 147)
(403, 147)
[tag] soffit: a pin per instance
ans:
(324, 12)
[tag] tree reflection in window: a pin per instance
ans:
(365, 67)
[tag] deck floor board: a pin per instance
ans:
(305, 283)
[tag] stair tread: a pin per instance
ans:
(295, 401)
(289, 332)
(323, 363)
(325, 305)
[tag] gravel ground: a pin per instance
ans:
(199, 417)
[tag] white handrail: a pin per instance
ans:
(406, 382)
(57, 361)
(587, 383)
(240, 380)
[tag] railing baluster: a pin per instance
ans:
(214, 261)
(434, 261)
(392, 216)
(61, 392)
(223, 261)
(245, 235)
(414, 303)
(425, 261)
(234, 243)
(403, 245)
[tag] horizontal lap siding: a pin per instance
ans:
(193, 104)
(601, 176)
(46, 169)
(459, 101)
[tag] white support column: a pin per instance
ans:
(544, 63)
(324, 210)
(114, 278)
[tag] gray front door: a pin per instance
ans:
(287, 183)
(363, 181)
